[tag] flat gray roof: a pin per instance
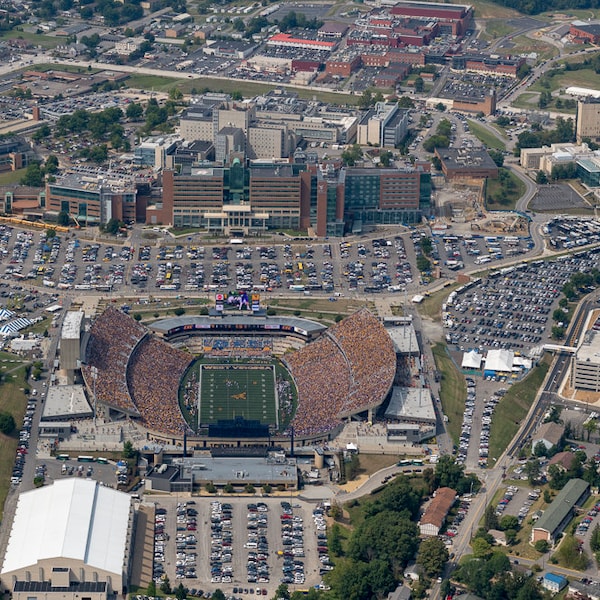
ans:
(71, 328)
(411, 404)
(404, 338)
(64, 402)
(238, 470)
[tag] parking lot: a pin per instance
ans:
(511, 308)
(240, 545)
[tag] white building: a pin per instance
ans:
(70, 541)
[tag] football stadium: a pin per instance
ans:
(243, 376)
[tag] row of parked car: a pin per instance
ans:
(221, 542)
(257, 565)
(185, 564)
(23, 447)
(292, 539)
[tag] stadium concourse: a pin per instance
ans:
(347, 370)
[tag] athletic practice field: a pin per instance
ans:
(229, 391)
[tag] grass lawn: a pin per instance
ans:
(453, 390)
(432, 305)
(496, 28)
(12, 177)
(246, 88)
(493, 189)
(485, 136)
(67, 68)
(371, 463)
(14, 401)
(513, 408)
(490, 10)
(526, 100)
(46, 41)
(587, 78)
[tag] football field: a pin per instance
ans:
(230, 391)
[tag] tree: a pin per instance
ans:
(128, 450)
(218, 595)
(595, 539)
(63, 218)
(509, 522)
(590, 427)
(134, 111)
(541, 178)
(165, 586)
(352, 155)
(335, 540)
(419, 85)
(7, 423)
(532, 469)
(228, 488)
(542, 546)
(151, 589)
(179, 311)
(38, 481)
(137, 316)
(113, 225)
(282, 591)
(481, 548)
(34, 176)
(267, 489)
(249, 489)
(181, 592)
(571, 554)
(51, 165)
(385, 158)
(490, 518)
(497, 157)
(432, 556)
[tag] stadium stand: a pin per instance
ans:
(323, 380)
(113, 337)
(347, 371)
(155, 394)
(370, 354)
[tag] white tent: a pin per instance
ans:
(499, 361)
(472, 360)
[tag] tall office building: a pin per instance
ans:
(588, 120)
(328, 198)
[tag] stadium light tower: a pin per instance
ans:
(94, 372)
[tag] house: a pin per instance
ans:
(499, 537)
(413, 571)
(559, 513)
(435, 514)
(553, 582)
(589, 590)
(402, 592)
(549, 434)
(563, 460)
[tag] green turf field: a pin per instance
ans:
(230, 391)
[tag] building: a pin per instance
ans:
(21, 200)
(126, 46)
(587, 124)
(563, 460)
(547, 157)
(589, 590)
(66, 402)
(548, 434)
(454, 19)
(15, 154)
(586, 363)
(484, 63)
(70, 540)
(557, 516)
(70, 343)
(92, 196)
(153, 151)
(586, 32)
(270, 194)
(188, 473)
(466, 163)
(386, 125)
(554, 583)
(285, 40)
(436, 512)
